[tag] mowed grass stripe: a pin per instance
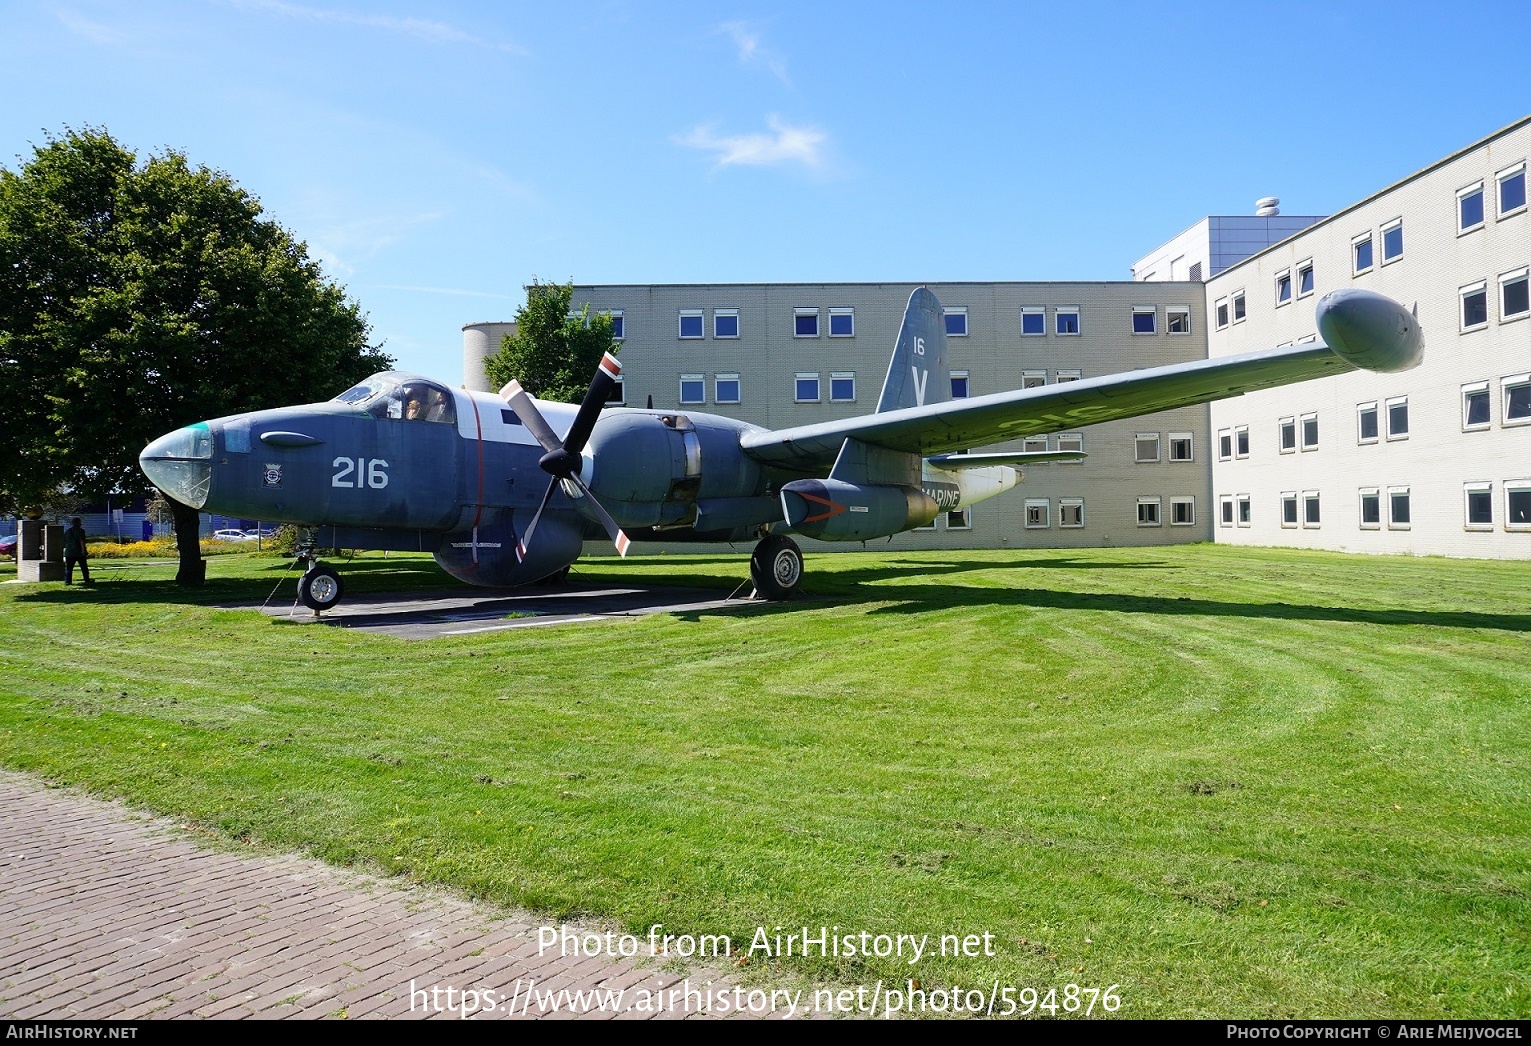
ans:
(1254, 782)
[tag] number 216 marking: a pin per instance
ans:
(373, 473)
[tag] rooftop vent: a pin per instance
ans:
(1267, 207)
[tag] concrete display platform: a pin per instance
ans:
(466, 611)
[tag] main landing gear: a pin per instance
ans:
(776, 567)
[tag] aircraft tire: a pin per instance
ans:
(776, 568)
(320, 588)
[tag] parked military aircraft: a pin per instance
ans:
(505, 489)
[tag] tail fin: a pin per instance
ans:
(919, 372)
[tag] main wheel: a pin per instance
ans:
(776, 567)
(320, 588)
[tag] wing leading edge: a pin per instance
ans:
(1361, 329)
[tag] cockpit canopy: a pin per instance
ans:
(401, 397)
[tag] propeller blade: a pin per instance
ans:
(526, 409)
(595, 398)
(618, 538)
(525, 541)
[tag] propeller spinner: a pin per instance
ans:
(562, 459)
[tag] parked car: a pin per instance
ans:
(8, 546)
(258, 532)
(231, 535)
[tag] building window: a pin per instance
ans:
(1225, 511)
(1066, 375)
(1474, 305)
(805, 323)
(1221, 313)
(1147, 447)
(1177, 319)
(1288, 438)
(1361, 254)
(1478, 505)
(1143, 319)
(1470, 208)
(1310, 432)
(1071, 512)
(1283, 287)
(1183, 512)
(1238, 307)
(725, 388)
(691, 323)
(1398, 508)
(1517, 399)
(1148, 512)
(1475, 406)
(956, 320)
(1241, 441)
(618, 327)
(1371, 508)
(842, 323)
(1517, 506)
(1398, 417)
(1035, 445)
(1224, 444)
(1066, 320)
(1033, 321)
(1032, 379)
(693, 388)
(1392, 241)
(1289, 508)
(806, 388)
(1514, 303)
(1366, 422)
(617, 394)
(842, 387)
(725, 323)
(1310, 514)
(1180, 446)
(959, 384)
(1243, 505)
(1512, 190)
(1072, 442)
(959, 519)
(1038, 513)
(1304, 278)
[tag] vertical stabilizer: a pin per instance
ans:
(919, 372)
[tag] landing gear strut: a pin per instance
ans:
(320, 587)
(776, 567)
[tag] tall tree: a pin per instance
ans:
(137, 297)
(554, 352)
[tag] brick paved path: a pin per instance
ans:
(109, 914)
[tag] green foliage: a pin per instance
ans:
(553, 354)
(136, 297)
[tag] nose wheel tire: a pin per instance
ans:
(320, 588)
(776, 568)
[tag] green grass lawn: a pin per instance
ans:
(1251, 783)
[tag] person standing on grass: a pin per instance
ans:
(76, 552)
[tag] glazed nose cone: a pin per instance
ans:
(180, 464)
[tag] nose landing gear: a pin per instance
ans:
(320, 587)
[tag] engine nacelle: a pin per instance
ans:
(833, 510)
(651, 468)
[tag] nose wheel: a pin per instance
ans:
(320, 588)
(776, 567)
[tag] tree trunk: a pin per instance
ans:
(188, 542)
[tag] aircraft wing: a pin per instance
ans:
(1373, 331)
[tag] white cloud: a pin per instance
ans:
(747, 40)
(786, 144)
(95, 32)
(419, 28)
(341, 246)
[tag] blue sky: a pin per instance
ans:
(436, 157)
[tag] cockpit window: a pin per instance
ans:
(402, 398)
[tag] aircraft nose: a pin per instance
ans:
(180, 464)
(1370, 330)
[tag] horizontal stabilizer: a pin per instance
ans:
(1020, 457)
